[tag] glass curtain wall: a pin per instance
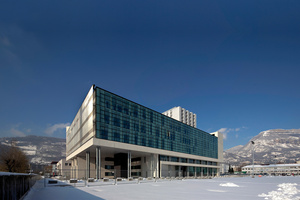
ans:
(121, 120)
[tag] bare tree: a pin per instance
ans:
(12, 159)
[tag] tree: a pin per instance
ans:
(12, 159)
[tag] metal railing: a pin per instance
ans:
(15, 185)
(79, 178)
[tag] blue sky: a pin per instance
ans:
(233, 63)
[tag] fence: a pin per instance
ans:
(15, 185)
(81, 178)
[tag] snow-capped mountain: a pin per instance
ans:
(40, 150)
(271, 146)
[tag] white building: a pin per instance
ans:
(274, 169)
(182, 115)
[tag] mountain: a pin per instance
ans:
(234, 149)
(39, 150)
(271, 146)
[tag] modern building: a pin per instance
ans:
(273, 169)
(111, 136)
(182, 115)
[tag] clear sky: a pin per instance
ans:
(233, 63)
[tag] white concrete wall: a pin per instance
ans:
(78, 168)
(149, 165)
(220, 148)
(81, 129)
(168, 171)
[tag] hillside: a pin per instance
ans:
(40, 150)
(271, 146)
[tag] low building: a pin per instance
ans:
(273, 169)
(64, 168)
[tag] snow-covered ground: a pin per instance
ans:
(271, 188)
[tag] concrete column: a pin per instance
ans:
(155, 165)
(72, 168)
(129, 165)
(160, 165)
(98, 163)
(195, 169)
(87, 156)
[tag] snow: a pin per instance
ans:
(286, 191)
(229, 185)
(246, 188)
(266, 134)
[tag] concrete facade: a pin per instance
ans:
(64, 168)
(182, 115)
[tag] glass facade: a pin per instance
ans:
(121, 120)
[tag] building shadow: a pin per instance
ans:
(60, 192)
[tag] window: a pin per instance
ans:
(143, 141)
(104, 134)
(126, 124)
(116, 121)
(157, 132)
(109, 173)
(136, 159)
(119, 108)
(144, 114)
(107, 104)
(109, 159)
(126, 138)
(136, 140)
(116, 136)
(174, 159)
(109, 167)
(106, 118)
(136, 127)
(150, 143)
(136, 167)
(114, 106)
(183, 160)
(143, 129)
(135, 112)
(151, 117)
(135, 173)
(126, 110)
